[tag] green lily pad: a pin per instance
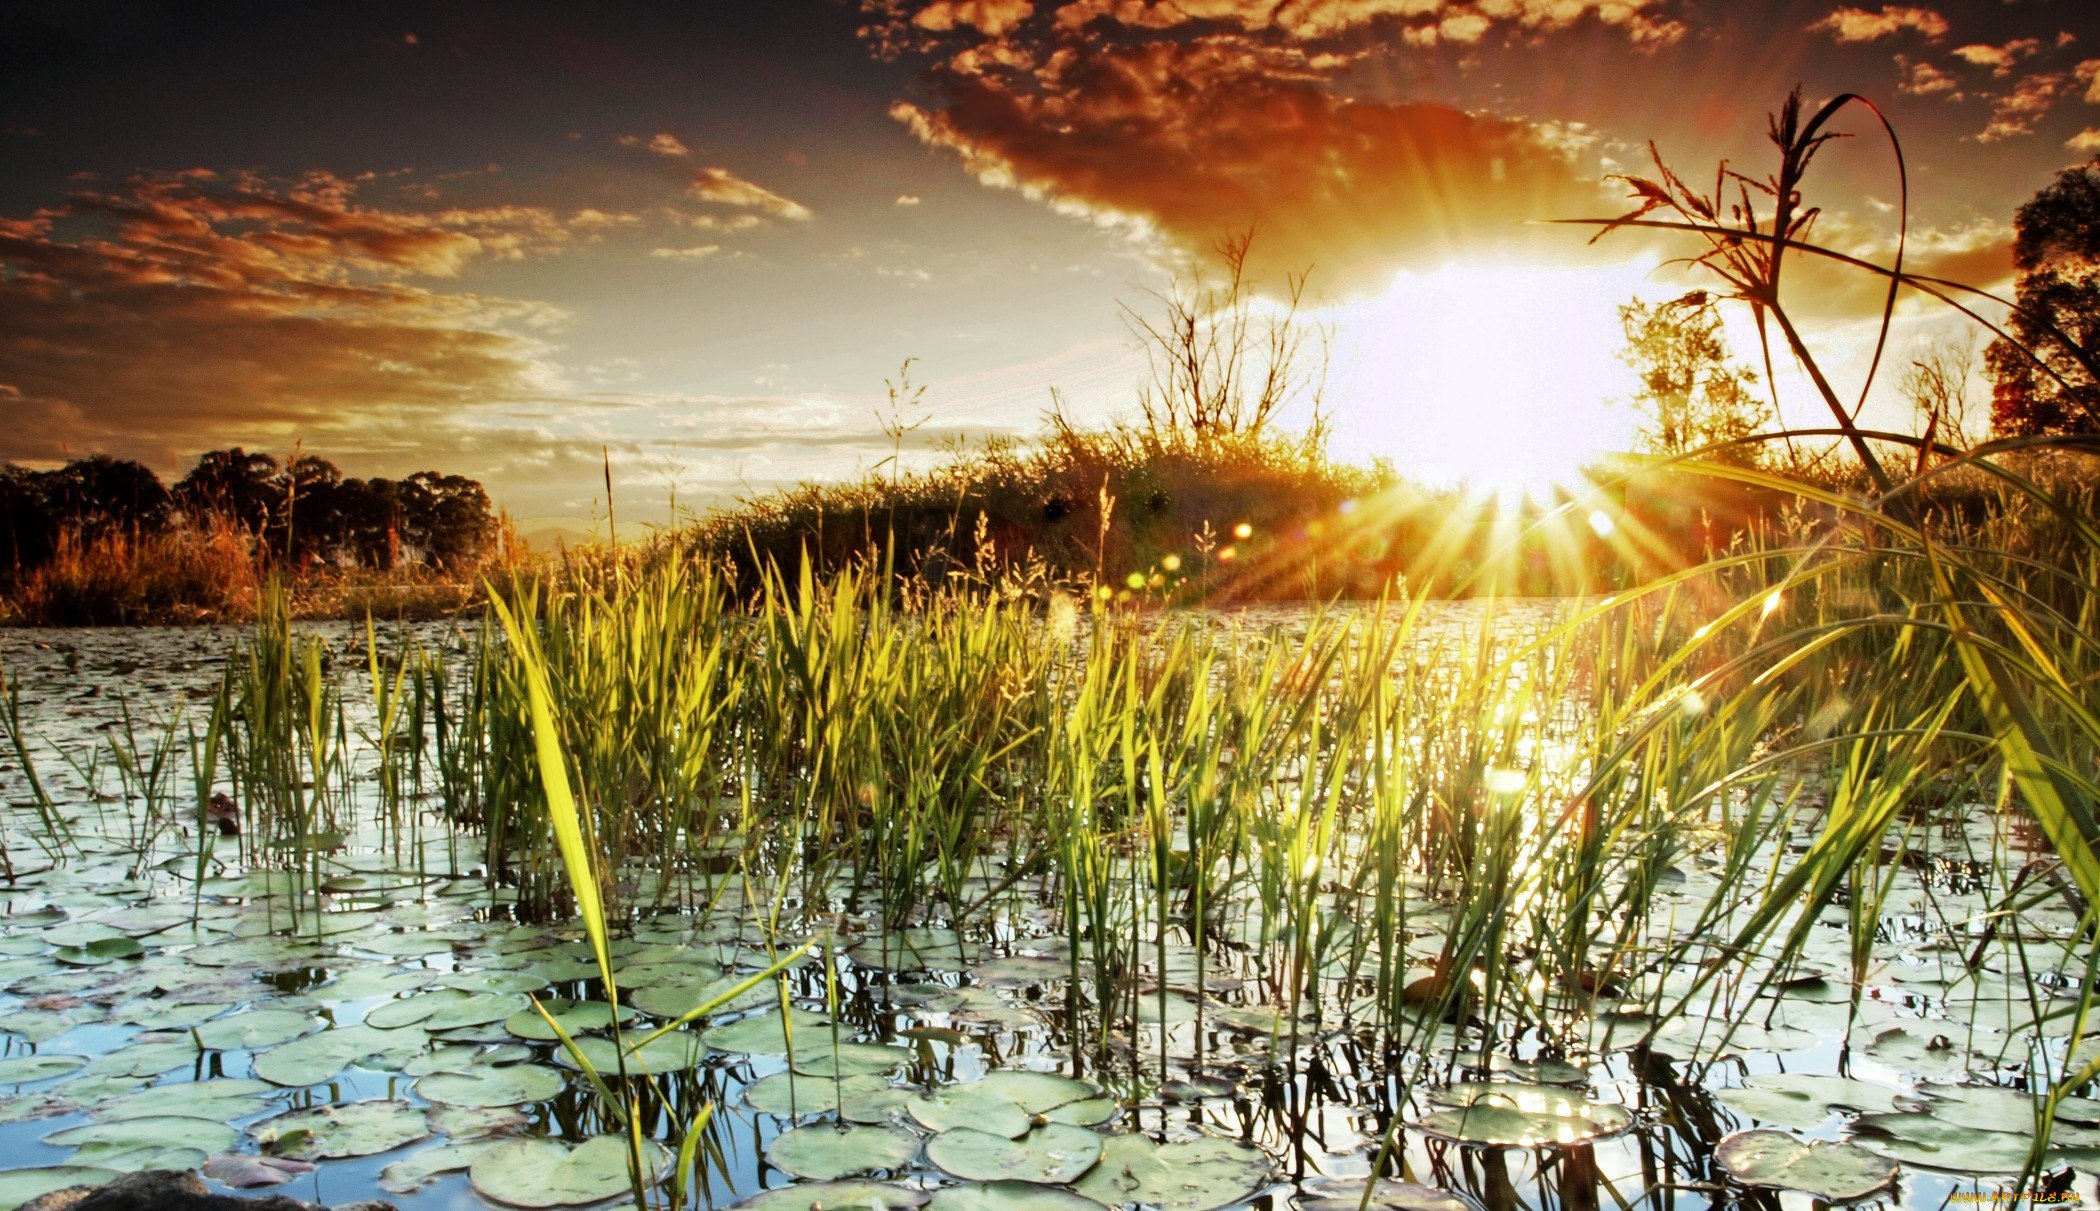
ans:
(512, 1086)
(1190, 1175)
(1009, 1196)
(255, 1029)
(575, 1017)
(824, 1152)
(321, 1057)
(1934, 1143)
(447, 1009)
(680, 995)
(146, 1056)
(835, 1196)
(1775, 1160)
(1804, 1100)
(18, 1186)
(1517, 1114)
(674, 1052)
(99, 951)
(418, 1170)
(136, 1145)
(28, 1069)
(969, 1105)
(1053, 1154)
(344, 1129)
(848, 1059)
(466, 1057)
(548, 1173)
(1387, 1194)
(475, 1122)
(218, 1100)
(790, 1096)
(764, 1033)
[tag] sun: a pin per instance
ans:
(1505, 378)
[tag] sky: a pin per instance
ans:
(701, 240)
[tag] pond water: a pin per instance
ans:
(156, 1018)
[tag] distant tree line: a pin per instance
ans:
(300, 513)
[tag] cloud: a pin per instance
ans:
(170, 312)
(2001, 59)
(1862, 25)
(662, 144)
(907, 199)
(724, 188)
(2088, 74)
(1419, 21)
(698, 252)
(1184, 141)
(2085, 142)
(993, 17)
(2018, 110)
(1922, 79)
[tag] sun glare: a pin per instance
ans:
(1506, 378)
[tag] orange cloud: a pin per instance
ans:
(2018, 110)
(663, 143)
(724, 188)
(173, 311)
(1862, 25)
(1186, 140)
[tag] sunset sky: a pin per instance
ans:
(494, 238)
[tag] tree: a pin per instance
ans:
(99, 496)
(28, 529)
(1937, 387)
(1692, 393)
(447, 516)
(240, 487)
(2043, 380)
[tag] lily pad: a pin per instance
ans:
(320, 1057)
(218, 1100)
(419, 1169)
(18, 1186)
(1190, 1175)
(848, 1059)
(27, 1069)
(835, 1196)
(765, 1034)
(1775, 1160)
(1053, 1154)
(512, 1086)
(345, 1129)
(1387, 1194)
(575, 1017)
(255, 1029)
(136, 1145)
(1518, 1114)
(1934, 1143)
(790, 1096)
(674, 1052)
(1804, 1100)
(548, 1173)
(676, 997)
(823, 1151)
(1009, 1196)
(447, 1009)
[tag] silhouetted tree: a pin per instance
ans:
(446, 516)
(28, 528)
(99, 496)
(1692, 392)
(2041, 384)
(233, 484)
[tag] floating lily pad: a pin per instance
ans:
(418, 1170)
(1347, 1194)
(1009, 1196)
(548, 1173)
(320, 1057)
(972, 1105)
(447, 1009)
(835, 1196)
(674, 998)
(1804, 1100)
(1191, 1175)
(1519, 1114)
(466, 1057)
(575, 1017)
(218, 1100)
(255, 1029)
(823, 1151)
(790, 1096)
(848, 1059)
(147, 1056)
(134, 1145)
(27, 1069)
(512, 1086)
(18, 1186)
(245, 1172)
(343, 1129)
(1053, 1154)
(765, 1034)
(674, 1052)
(1935, 1143)
(99, 951)
(1775, 1160)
